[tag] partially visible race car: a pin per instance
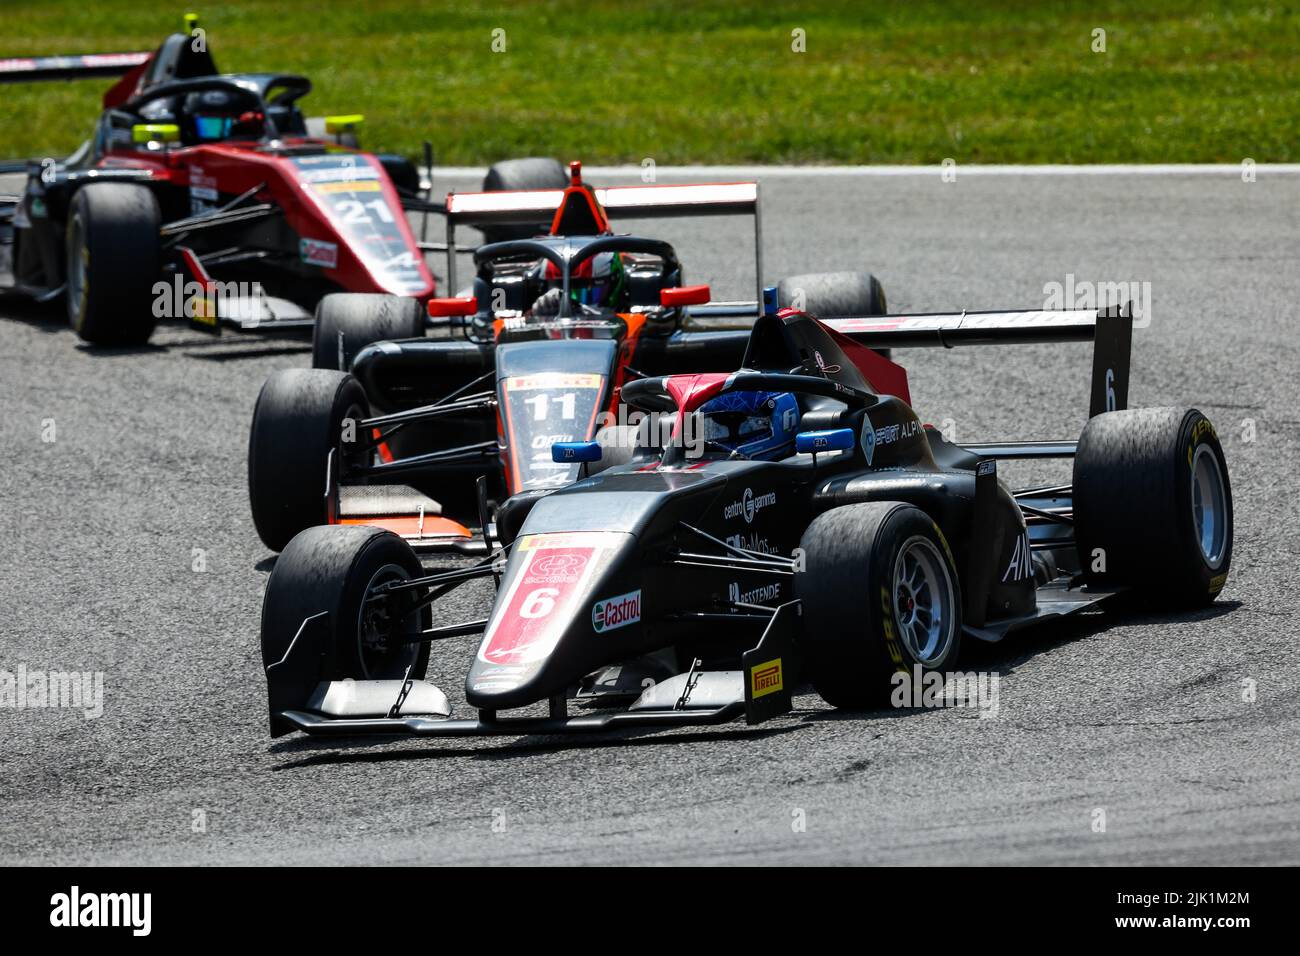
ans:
(397, 429)
(844, 541)
(211, 197)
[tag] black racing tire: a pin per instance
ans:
(858, 629)
(828, 295)
(361, 318)
(1139, 476)
(332, 568)
(114, 259)
(534, 172)
(299, 418)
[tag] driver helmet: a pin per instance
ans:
(758, 425)
(600, 282)
(217, 114)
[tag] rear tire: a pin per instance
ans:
(880, 596)
(829, 295)
(1153, 504)
(332, 569)
(114, 259)
(361, 318)
(528, 173)
(298, 420)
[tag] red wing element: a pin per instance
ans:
(885, 377)
(692, 391)
(579, 214)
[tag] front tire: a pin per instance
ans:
(880, 595)
(114, 259)
(346, 322)
(1153, 504)
(300, 417)
(334, 569)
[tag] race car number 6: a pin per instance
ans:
(539, 603)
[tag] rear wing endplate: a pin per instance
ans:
(520, 207)
(1110, 330)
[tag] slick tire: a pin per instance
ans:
(880, 595)
(332, 569)
(828, 295)
(1153, 505)
(300, 417)
(114, 259)
(346, 322)
(527, 173)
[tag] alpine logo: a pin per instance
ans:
(748, 505)
(1021, 565)
(613, 613)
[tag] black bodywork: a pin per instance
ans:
(696, 558)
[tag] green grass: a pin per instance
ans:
(980, 81)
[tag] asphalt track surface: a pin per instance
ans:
(1141, 716)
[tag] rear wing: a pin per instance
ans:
(34, 69)
(520, 207)
(1110, 330)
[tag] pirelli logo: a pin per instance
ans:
(766, 678)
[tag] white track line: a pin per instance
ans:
(1133, 169)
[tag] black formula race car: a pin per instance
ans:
(211, 197)
(698, 579)
(398, 429)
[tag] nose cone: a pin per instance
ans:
(565, 606)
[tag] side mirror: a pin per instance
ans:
(684, 295)
(833, 439)
(575, 452)
(341, 124)
(155, 133)
(465, 305)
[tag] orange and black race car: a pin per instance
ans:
(422, 434)
(211, 197)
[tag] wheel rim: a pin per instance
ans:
(381, 657)
(924, 602)
(77, 254)
(1209, 506)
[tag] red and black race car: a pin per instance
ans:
(206, 196)
(799, 522)
(423, 435)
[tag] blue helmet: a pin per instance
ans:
(758, 425)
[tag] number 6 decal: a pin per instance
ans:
(539, 603)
